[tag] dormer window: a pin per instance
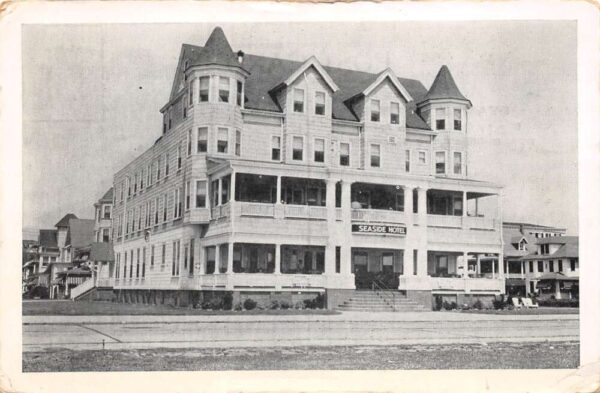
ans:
(394, 113)
(375, 110)
(299, 100)
(223, 89)
(319, 103)
(440, 119)
(457, 119)
(204, 88)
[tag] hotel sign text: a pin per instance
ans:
(383, 229)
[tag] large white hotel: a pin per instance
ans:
(284, 179)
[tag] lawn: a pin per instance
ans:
(527, 311)
(67, 307)
(543, 355)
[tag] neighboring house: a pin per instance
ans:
(275, 177)
(62, 228)
(540, 260)
(103, 220)
(41, 255)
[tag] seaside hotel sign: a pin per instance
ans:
(379, 229)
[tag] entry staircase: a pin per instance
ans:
(380, 299)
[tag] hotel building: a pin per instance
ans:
(278, 178)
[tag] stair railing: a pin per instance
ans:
(379, 288)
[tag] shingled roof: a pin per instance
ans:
(64, 222)
(81, 232)
(102, 252)
(107, 197)
(48, 238)
(444, 87)
(266, 73)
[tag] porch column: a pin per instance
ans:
(464, 202)
(230, 257)
(501, 270)
(422, 262)
(232, 187)
(408, 262)
(522, 273)
(277, 259)
(493, 269)
(217, 258)
(208, 198)
(331, 227)
(478, 264)
(278, 199)
(557, 289)
(422, 206)
(220, 196)
(408, 205)
(465, 264)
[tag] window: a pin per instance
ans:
(105, 235)
(222, 138)
(144, 262)
(192, 249)
(560, 265)
(540, 266)
(200, 193)
(394, 113)
(344, 154)
(338, 259)
(440, 119)
(187, 195)
(298, 100)
(204, 88)
(175, 259)
(319, 103)
(238, 142)
(530, 266)
(191, 95)
(135, 183)
(225, 185)
(176, 203)
(223, 89)
(179, 156)
(202, 139)
(573, 264)
(142, 179)
(297, 148)
(457, 119)
(158, 165)
(165, 207)
(440, 162)
(239, 93)
(214, 188)
(149, 175)
(137, 263)
(163, 254)
(422, 157)
(186, 254)
(189, 143)
(166, 165)
(407, 160)
(156, 211)
(375, 110)
(319, 150)
(457, 163)
(375, 155)
(551, 266)
(107, 211)
(275, 148)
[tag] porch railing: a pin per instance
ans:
(256, 209)
(83, 287)
(437, 220)
(383, 292)
(304, 211)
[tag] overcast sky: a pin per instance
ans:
(92, 94)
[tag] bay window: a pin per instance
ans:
(440, 119)
(223, 89)
(202, 140)
(200, 193)
(457, 119)
(457, 163)
(222, 140)
(204, 88)
(344, 154)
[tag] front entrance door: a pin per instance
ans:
(375, 267)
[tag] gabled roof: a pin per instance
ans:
(64, 222)
(389, 75)
(81, 232)
(444, 87)
(108, 196)
(558, 240)
(311, 62)
(48, 238)
(569, 249)
(102, 252)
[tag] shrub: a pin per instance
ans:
(274, 305)
(216, 304)
(316, 302)
(285, 305)
(238, 307)
(559, 303)
(438, 303)
(206, 305)
(227, 301)
(449, 305)
(499, 303)
(299, 305)
(478, 305)
(249, 304)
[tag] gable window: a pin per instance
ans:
(422, 157)
(394, 113)
(457, 163)
(440, 163)
(319, 103)
(189, 143)
(298, 100)
(222, 139)
(440, 119)
(375, 155)
(200, 193)
(238, 142)
(457, 119)
(202, 139)
(319, 150)
(223, 89)
(297, 148)
(275, 148)
(204, 88)
(344, 154)
(407, 160)
(375, 110)
(239, 93)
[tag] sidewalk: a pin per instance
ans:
(346, 316)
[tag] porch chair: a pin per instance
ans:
(528, 303)
(515, 302)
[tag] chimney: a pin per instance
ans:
(240, 56)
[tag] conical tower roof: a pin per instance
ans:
(444, 87)
(217, 51)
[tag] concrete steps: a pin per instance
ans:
(378, 302)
